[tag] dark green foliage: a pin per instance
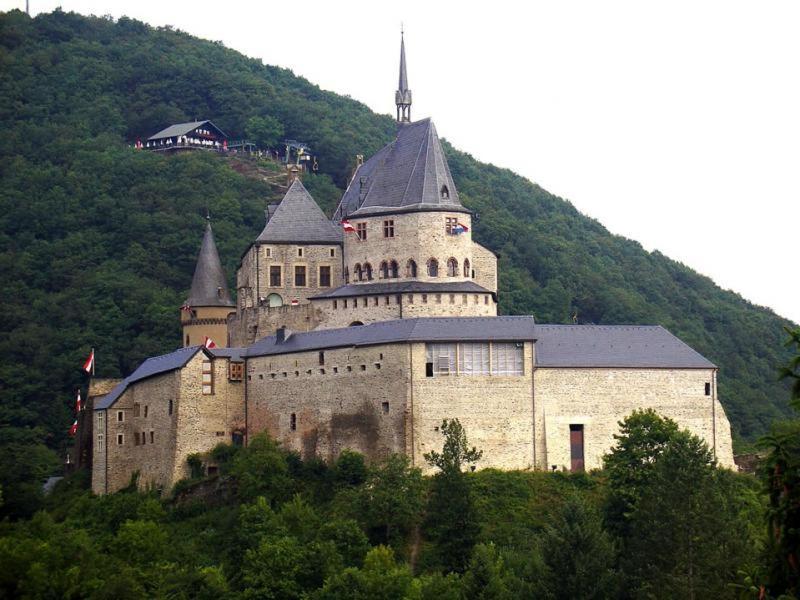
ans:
(380, 578)
(262, 471)
(487, 577)
(579, 554)
(451, 523)
(265, 131)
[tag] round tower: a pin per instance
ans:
(204, 315)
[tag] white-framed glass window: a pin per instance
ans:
(473, 359)
(507, 358)
(442, 358)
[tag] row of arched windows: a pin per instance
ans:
(391, 270)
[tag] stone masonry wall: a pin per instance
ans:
(356, 399)
(211, 321)
(599, 398)
(496, 412)
(418, 236)
(252, 324)
(116, 462)
(484, 264)
(253, 281)
(370, 309)
(205, 420)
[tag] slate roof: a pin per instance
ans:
(407, 175)
(298, 219)
(209, 286)
(609, 346)
(150, 367)
(433, 329)
(183, 128)
(401, 287)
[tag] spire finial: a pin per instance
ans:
(402, 97)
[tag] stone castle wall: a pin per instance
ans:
(599, 398)
(211, 321)
(356, 399)
(370, 309)
(252, 324)
(253, 276)
(418, 236)
(484, 266)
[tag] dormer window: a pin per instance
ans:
(445, 193)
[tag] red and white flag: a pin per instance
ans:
(295, 302)
(88, 366)
(78, 403)
(209, 343)
(348, 228)
(74, 429)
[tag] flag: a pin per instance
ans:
(88, 366)
(295, 302)
(78, 403)
(460, 228)
(209, 343)
(74, 429)
(348, 228)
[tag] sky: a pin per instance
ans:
(676, 124)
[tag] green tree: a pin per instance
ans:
(265, 131)
(451, 522)
(579, 554)
(487, 577)
(381, 578)
(260, 469)
(392, 500)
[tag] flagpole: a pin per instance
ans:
(94, 360)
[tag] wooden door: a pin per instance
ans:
(576, 447)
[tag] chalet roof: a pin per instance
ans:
(608, 346)
(298, 219)
(433, 329)
(150, 367)
(182, 129)
(410, 174)
(402, 287)
(209, 286)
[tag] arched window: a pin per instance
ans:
(411, 268)
(384, 270)
(357, 275)
(355, 324)
(433, 268)
(368, 271)
(346, 275)
(466, 267)
(445, 193)
(452, 267)
(274, 300)
(393, 270)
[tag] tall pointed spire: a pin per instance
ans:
(402, 97)
(209, 287)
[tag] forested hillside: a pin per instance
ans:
(98, 241)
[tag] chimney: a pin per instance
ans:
(280, 335)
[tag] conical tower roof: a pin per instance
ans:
(410, 174)
(298, 219)
(209, 286)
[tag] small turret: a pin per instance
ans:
(205, 312)
(402, 97)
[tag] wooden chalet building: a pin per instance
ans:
(202, 135)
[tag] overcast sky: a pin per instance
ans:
(676, 124)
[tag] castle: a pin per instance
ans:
(366, 331)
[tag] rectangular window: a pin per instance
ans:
(388, 228)
(333, 252)
(324, 277)
(576, 447)
(145, 410)
(300, 252)
(442, 357)
(450, 224)
(708, 389)
(322, 358)
(424, 298)
(299, 276)
(361, 231)
(268, 252)
(152, 437)
(120, 416)
(120, 439)
(100, 442)
(236, 371)
(208, 378)
(335, 304)
(293, 422)
(473, 359)
(169, 408)
(507, 359)
(275, 276)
